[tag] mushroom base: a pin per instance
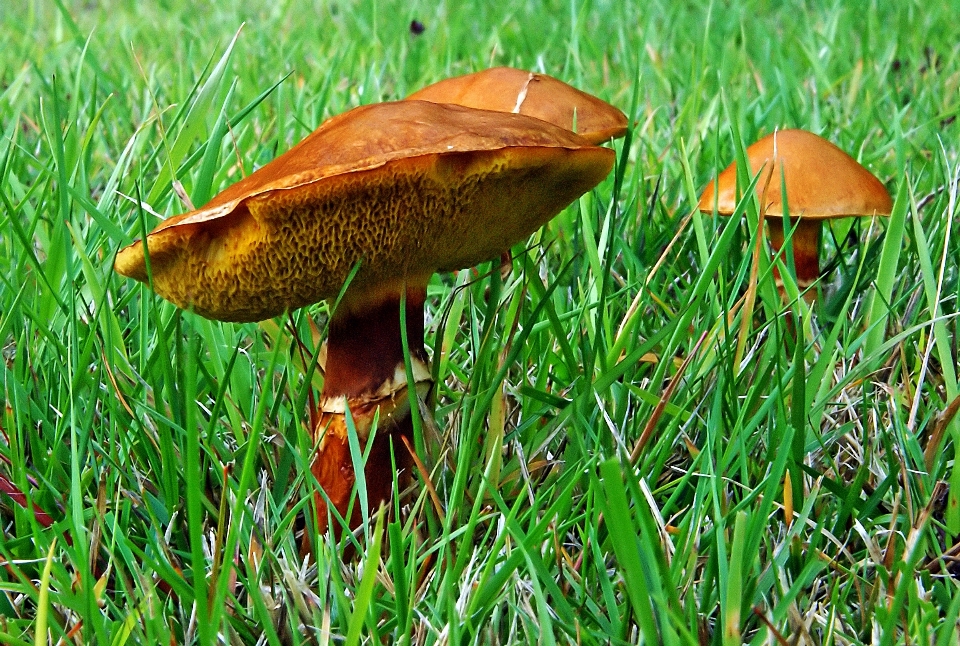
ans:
(333, 466)
(365, 373)
(806, 259)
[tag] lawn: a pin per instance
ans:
(635, 439)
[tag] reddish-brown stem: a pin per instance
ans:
(333, 469)
(365, 348)
(806, 244)
(364, 359)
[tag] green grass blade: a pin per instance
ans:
(878, 309)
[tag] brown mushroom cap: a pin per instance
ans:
(538, 95)
(822, 180)
(405, 189)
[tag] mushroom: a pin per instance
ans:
(506, 89)
(389, 193)
(822, 182)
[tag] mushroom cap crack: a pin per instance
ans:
(507, 89)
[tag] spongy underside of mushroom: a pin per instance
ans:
(507, 89)
(431, 213)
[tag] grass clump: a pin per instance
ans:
(626, 452)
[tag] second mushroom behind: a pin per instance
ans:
(380, 197)
(820, 181)
(507, 89)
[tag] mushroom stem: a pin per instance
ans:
(365, 373)
(364, 348)
(806, 245)
(333, 467)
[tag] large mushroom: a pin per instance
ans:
(393, 192)
(821, 182)
(507, 89)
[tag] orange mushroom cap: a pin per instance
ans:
(404, 189)
(822, 180)
(506, 89)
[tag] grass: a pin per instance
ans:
(622, 434)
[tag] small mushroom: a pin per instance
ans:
(394, 192)
(506, 89)
(822, 182)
